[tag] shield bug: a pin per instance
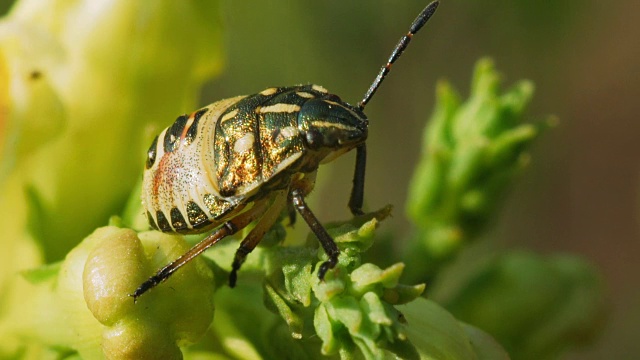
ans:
(248, 158)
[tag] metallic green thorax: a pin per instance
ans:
(236, 151)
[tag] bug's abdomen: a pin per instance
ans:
(207, 166)
(180, 190)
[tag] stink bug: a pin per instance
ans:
(247, 158)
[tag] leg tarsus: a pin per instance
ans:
(238, 260)
(327, 265)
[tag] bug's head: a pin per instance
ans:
(331, 124)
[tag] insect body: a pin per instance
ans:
(209, 165)
(247, 158)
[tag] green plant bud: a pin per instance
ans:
(472, 151)
(297, 266)
(275, 302)
(84, 304)
(366, 276)
(402, 294)
(325, 330)
(352, 309)
(375, 309)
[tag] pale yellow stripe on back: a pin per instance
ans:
(286, 163)
(229, 115)
(303, 94)
(319, 88)
(269, 91)
(279, 108)
(327, 124)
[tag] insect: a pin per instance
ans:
(249, 158)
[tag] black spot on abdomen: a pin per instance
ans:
(177, 220)
(172, 136)
(163, 224)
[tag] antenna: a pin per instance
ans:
(417, 24)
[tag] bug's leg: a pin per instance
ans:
(257, 233)
(291, 211)
(329, 246)
(229, 228)
(357, 191)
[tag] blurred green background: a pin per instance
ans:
(580, 194)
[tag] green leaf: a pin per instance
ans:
(436, 334)
(537, 307)
(470, 157)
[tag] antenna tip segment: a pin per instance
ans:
(417, 24)
(424, 16)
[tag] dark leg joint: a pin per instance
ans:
(328, 265)
(231, 229)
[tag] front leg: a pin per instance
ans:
(329, 246)
(357, 191)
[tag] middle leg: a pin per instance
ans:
(250, 242)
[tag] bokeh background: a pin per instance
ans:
(580, 194)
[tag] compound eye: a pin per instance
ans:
(313, 139)
(152, 152)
